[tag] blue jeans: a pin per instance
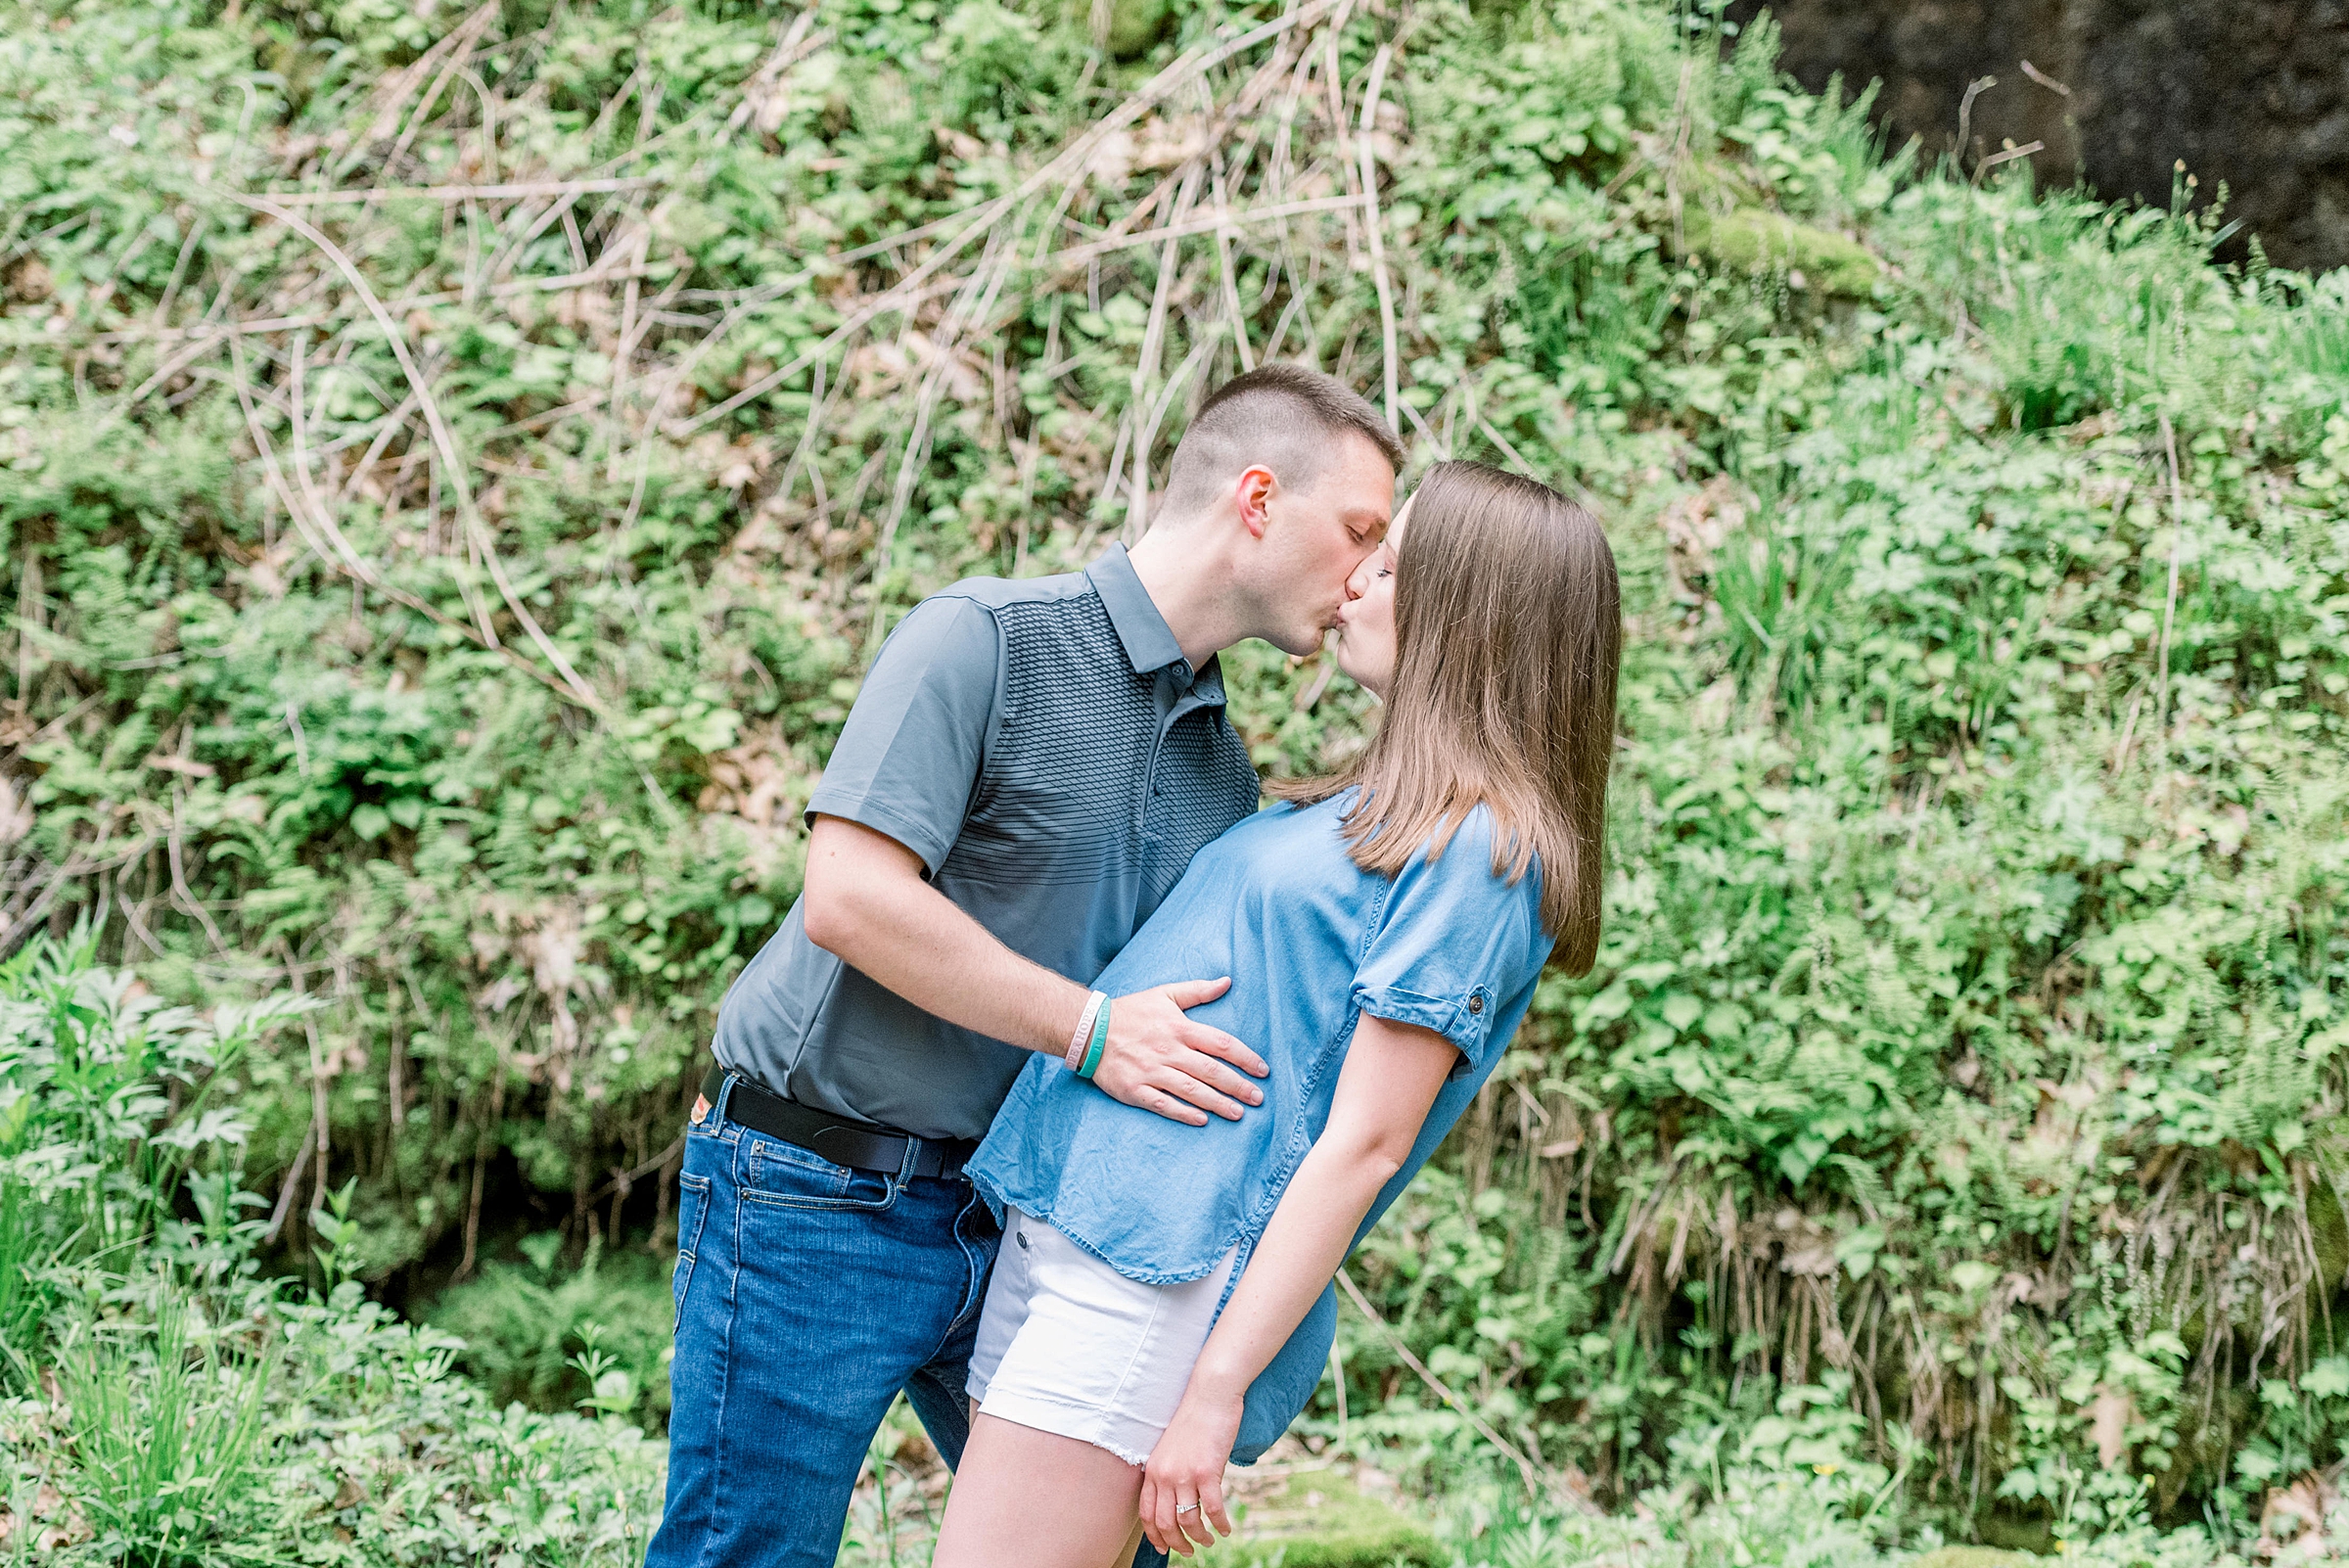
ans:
(809, 1296)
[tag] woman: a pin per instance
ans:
(1384, 929)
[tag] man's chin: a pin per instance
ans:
(1298, 644)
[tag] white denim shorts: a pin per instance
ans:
(1069, 1346)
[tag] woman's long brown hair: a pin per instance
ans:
(1508, 634)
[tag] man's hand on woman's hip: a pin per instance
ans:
(1159, 1060)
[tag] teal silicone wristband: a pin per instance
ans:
(1099, 1045)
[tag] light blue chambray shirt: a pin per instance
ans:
(1311, 942)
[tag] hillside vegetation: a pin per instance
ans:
(454, 465)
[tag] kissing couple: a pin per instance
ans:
(1073, 1077)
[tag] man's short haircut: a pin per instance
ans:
(1285, 417)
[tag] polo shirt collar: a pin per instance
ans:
(1139, 626)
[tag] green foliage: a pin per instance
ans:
(168, 1439)
(1956, 1099)
(1773, 1521)
(112, 1107)
(527, 1327)
(177, 1409)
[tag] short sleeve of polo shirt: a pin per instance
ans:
(1453, 942)
(910, 752)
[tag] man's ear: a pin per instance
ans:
(1253, 494)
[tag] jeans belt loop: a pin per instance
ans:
(726, 1093)
(911, 1157)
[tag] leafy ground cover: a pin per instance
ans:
(453, 465)
(163, 1402)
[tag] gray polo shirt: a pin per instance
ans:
(1048, 753)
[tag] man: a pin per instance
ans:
(1027, 770)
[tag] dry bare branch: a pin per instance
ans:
(328, 542)
(525, 190)
(444, 440)
(1074, 156)
(1539, 1478)
(1220, 220)
(1372, 222)
(2169, 603)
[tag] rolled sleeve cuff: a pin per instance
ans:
(865, 812)
(1446, 1017)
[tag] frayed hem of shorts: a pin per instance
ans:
(1078, 1421)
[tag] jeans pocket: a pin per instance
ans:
(693, 1213)
(788, 1177)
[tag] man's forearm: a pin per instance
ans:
(908, 936)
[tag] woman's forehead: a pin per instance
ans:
(1402, 518)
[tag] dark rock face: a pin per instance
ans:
(2250, 93)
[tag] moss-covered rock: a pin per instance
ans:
(1133, 25)
(1322, 1519)
(1750, 240)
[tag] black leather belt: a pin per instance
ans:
(849, 1143)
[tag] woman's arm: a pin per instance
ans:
(1392, 1076)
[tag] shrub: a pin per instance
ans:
(525, 1327)
(175, 1408)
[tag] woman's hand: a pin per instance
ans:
(1186, 1468)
